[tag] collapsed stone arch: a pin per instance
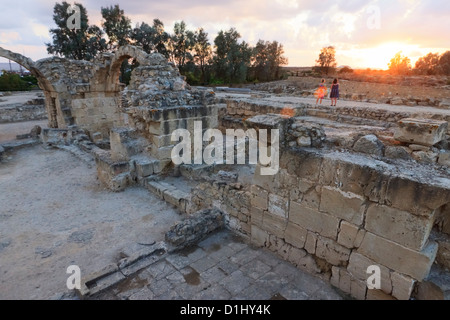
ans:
(43, 83)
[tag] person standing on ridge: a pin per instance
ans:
(321, 92)
(334, 95)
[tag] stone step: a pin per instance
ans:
(331, 114)
(167, 190)
(146, 166)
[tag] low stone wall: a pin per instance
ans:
(22, 113)
(336, 214)
(346, 212)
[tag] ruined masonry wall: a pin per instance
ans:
(335, 215)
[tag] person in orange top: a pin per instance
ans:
(321, 92)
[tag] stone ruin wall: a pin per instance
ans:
(331, 213)
(335, 214)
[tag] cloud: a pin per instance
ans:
(302, 26)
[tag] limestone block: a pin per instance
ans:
(259, 198)
(295, 235)
(358, 289)
(334, 280)
(399, 226)
(397, 153)
(443, 255)
(369, 144)
(399, 258)
(332, 252)
(314, 220)
(278, 205)
(358, 265)
(425, 132)
(428, 290)
(256, 216)
(444, 158)
(311, 241)
(425, 156)
(303, 164)
(344, 205)
(259, 237)
(311, 198)
(295, 255)
(274, 224)
(144, 168)
(122, 143)
(120, 182)
(402, 286)
(264, 181)
(350, 236)
(378, 295)
(416, 197)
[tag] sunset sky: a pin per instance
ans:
(365, 33)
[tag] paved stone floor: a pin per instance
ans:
(222, 267)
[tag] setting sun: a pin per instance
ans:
(378, 57)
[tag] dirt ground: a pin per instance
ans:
(54, 213)
(20, 97)
(9, 131)
(372, 90)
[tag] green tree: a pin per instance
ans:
(400, 64)
(151, 38)
(181, 44)
(232, 59)
(327, 59)
(116, 26)
(13, 82)
(81, 44)
(428, 64)
(444, 63)
(267, 60)
(202, 53)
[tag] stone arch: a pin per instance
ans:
(127, 52)
(43, 82)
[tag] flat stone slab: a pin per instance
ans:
(425, 132)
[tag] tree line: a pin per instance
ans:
(226, 60)
(430, 64)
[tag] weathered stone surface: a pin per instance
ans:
(295, 235)
(358, 265)
(425, 156)
(256, 215)
(427, 290)
(402, 286)
(369, 144)
(350, 236)
(399, 226)
(418, 147)
(423, 198)
(311, 241)
(259, 237)
(425, 132)
(274, 224)
(443, 255)
(314, 220)
(378, 295)
(332, 252)
(397, 153)
(399, 258)
(194, 228)
(278, 205)
(344, 205)
(444, 158)
(259, 198)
